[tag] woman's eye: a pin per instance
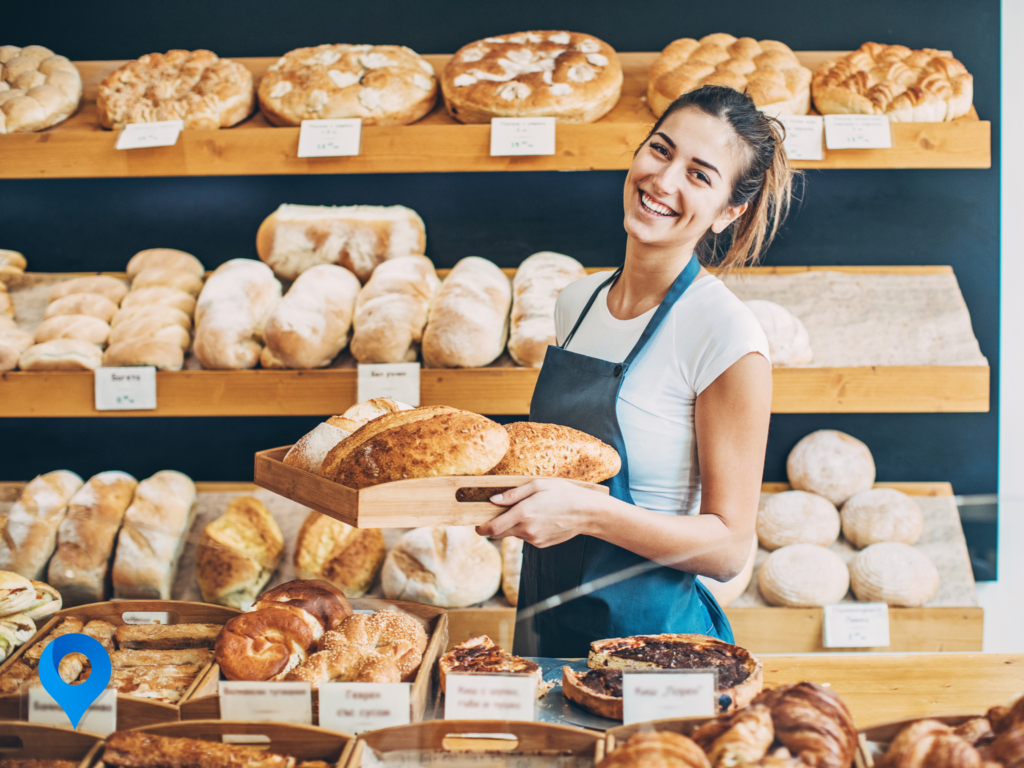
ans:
(704, 179)
(659, 148)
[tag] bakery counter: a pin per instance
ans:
(80, 148)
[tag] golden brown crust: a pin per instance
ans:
(39, 89)
(929, 744)
(976, 732)
(813, 723)
(263, 644)
(349, 558)
(104, 285)
(657, 749)
(600, 704)
(170, 637)
(321, 600)
(481, 655)
(163, 257)
(134, 749)
(551, 450)
(745, 739)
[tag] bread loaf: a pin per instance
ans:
(12, 343)
(832, 464)
(803, 576)
(349, 558)
(182, 279)
(61, 355)
(535, 288)
(551, 450)
(358, 237)
(511, 567)
(368, 410)
(40, 88)
(168, 258)
(104, 285)
(161, 294)
(12, 262)
(152, 536)
(83, 327)
(446, 566)
(94, 304)
(155, 325)
(312, 448)
(788, 341)
(154, 315)
(30, 526)
(86, 536)
(881, 514)
(392, 309)
(231, 312)
(468, 324)
(895, 573)
(146, 350)
(310, 325)
(797, 517)
(7, 323)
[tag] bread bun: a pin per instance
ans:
(83, 327)
(61, 355)
(511, 567)
(41, 89)
(446, 566)
(788, 341)
(895, 573)
(797, 517)
(309, 452)
(17, 340)
(145, 350)
(535, 288)
(263, 645)
(157, 315)
(104, 285)
(831, 464)
(152, 326)
(168, 258)
(181, 279)
(803, 576)
(161, 294)
(323, 602)
(881, 514)
(94, 304)
(349, 558)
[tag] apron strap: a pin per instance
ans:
(590, 303)
(679, 286)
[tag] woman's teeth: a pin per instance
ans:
(654, 207)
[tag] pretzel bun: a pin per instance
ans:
(263, 645)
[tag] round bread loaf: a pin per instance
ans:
(511, 567)
(169, 258)
(894, 573)
(349, 558)
(447, 566)
(82, 304)
(161, 294)
(725, 592)
(182, 279)
(37, 88)
(11, 263)
(797, 517)
(831, 464)
(84, 327)
(104, 285)
(788, 342)
(881, 514)
(803, 576)
(61, 355)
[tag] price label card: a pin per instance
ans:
(522, 136)
(490, 697)
(126, 389)
(267, 702)
(856, 625)
(399, 381)
(146, 617)
(163, 133)
(668, 693)
(803, 136)
(858, 132)
(359, 707)
(330, 138)
(100, 717)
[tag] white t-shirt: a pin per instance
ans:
(706, 331)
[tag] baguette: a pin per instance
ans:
(94, 304)
(181, 279)
(125, 658)
(535, 288)
(104, 285)
(84, 327)
(161, 294)
(166, 637)
(30, 526)
(147, 350)
(61, 355)
(164, 257)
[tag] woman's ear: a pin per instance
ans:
(728, 215)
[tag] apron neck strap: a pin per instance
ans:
(590, 303)
(679, 286)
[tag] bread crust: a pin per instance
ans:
(803, 576)
(535, 289)
(94, 304)
(182, 279)
(104, 285)
(161, 294)
(349, 558)
(170, 258)
(38, 88)
(592, 701)
(82, 327)
(29, 530)
(147, 350)
(61, 355)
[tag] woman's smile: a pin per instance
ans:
(653, 207)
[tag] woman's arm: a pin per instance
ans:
(731, 420)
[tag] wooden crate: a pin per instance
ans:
(29, 741)
(204, 701)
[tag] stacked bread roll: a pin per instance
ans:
(23, 603)
(12, 264)
(535, 288)
(231, 313)
(12, 340)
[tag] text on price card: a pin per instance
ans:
(162, 133)
(338, 137)
(490, 697)
(656, 694)
(511, 136)
(267, 702)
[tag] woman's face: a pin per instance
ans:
(679, 184)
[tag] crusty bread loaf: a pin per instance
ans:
(161, 294)
(535, 288)
(511, 567)
(93, 304)
(231, 312)
(86, 536)
(61, 355)
(182, 279)
(146, 350)
(310, 325)
(349, 558)
(392, 309)
(164, 257)
(894, 573)
(83, 327)
(30, 526)
(358, 237)
(803, 576)
(468, 324)
(447, 566)
(312, 448)
(152, 536)
(12, 343)
(104, 285)
(159, 315)
(153, 326)
(551, 450)
(797, 517)
(881, 514)
(832, 464)
(368, 410)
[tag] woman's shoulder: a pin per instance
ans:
(711, 304)
(579, 292)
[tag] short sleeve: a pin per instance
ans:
(731, 333)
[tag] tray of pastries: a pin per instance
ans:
(31, 745)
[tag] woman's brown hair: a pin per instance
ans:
(766, 183)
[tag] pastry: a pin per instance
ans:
(185, 657)
(895, 573)
(61, 355)
(881, 514)
(813, 724)
(535, 288)
(38, 88)
(788, 342)
(511, 567)
(656, 749)
(165, 637)
(831, 464)
(194, 86)
(381, 84)
(929, 743)
(312, 448)
(161, 294)
(573, 77)
(349, 558)
(803, 576)
(82, 327)
(797, 517)
(172, 277)
(137, 749)
(93, 304)
(104, 285)
(146, 350)
(30, 525)
(479, 655)
(168, 258)
(322, 605)
(742, 740)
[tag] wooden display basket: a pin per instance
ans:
(132, 712)
(400, 504)
(204, 702)
(30, 741)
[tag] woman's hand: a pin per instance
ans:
(544, 512)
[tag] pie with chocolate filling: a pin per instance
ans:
(482, 656)
(600, 689)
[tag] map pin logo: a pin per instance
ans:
(75, 699)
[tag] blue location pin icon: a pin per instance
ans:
(75, 699)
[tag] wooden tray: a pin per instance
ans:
(401, 504)
(204, 701)
(29, 741)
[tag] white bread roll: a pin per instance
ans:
(164, 257)
(161, 294)
(12, 261)
(152, 536)
(151, 327)
(535, 288)
(894, 573)
(788, 341)
(160, 315)
(832, 464)
(61, 355)
(312, 448)
(468, 323)
(230, 314)
(82, 304)
(30, 526)
(181, 279)
(797, 517)
(881, 514)
(146, 350)
(803, 576)
(310, 325)
(358, 237)
(7, 323)
(104, 285)
(511, 567)
(84, 327)
(392, 309)
(12, 343)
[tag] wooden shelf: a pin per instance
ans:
(80, 148)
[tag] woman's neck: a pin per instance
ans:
(646, 278)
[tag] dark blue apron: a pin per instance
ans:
(581, 392)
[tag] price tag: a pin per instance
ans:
(99, 718)
(399, 381)
(267, 702)
(522, 136)
(359, 707)
(126, 389)
(490, 697)
(668, 693)
(856, 625)
(163, 133)
(858, 132)
(330, 138)
(146, 617)
(803, 136)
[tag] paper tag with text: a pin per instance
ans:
(522, 136)
(267, 702)
(163, 133)
(490, 697)
(126, 389)
(858, 132)
(99, 718)
(803, 136)
(146, 617)
(359, 707)
(653, 695)
(856, 625)
(399, 381)
(330, 138)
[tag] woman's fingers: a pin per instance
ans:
(515, 495)
(501, 526)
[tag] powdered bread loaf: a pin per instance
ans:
(349, 558)
(511, 567)
(725, 592)
(168, 258)
(881, 514)
(231, 312)
(12, 343)
(895, 573)
(161, 294)
(797, 517)
(159, 324)
(535, 288)
(158, 315)
(93, 304)
(38, 88)
(346, 425)
(84, 327)
(104, 285)
(831, 464)
(788, 341)
(30, 526)
(368, 410)
(468, 324)
(803, 576)
(61, 355)
(182, 279)
(312, 448)
(146, 350)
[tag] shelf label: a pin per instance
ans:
(99, 718)
(126, 389)
(803, 136)
(490, 697)
(267, 702)
(162, 133)
(856, 625)
(858, 132)
(359, 707)
(330, 138)
(399, 381)
(657, 694)
(522, 136)
(146, 617)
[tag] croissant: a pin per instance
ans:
(706, 734)
(929, 744)
(746, 740)
(813, 723)
(1007, 718)
(976, 731)
(657, 749)
(1008, 748)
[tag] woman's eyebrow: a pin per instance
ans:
(667, 139)
(707, 165)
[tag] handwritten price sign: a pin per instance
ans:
(858, 132)
(125, 389)
(330, 138)
(522, 136)
(163, 133)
